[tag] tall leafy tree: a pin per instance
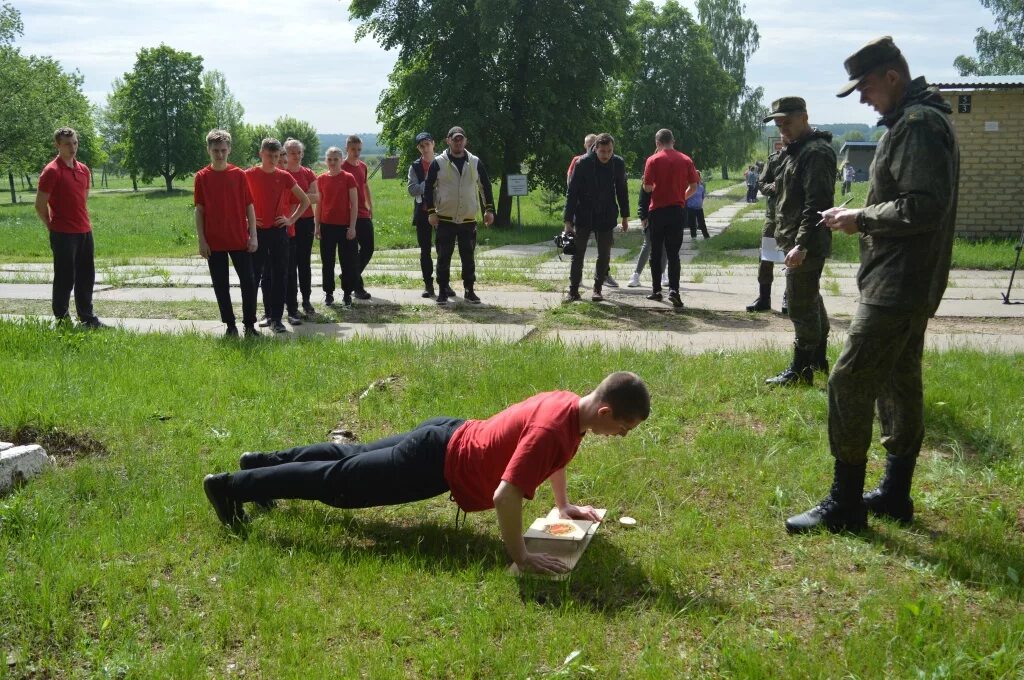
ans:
(734, 39)
(226, 113)
(1000, 51)
(525, 78)
(287, 126)
(167, 110)
(676, 83)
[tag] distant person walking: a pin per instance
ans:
(695, 211)
(61, 206)
(849, 177)
(766, 268)
(750, 177)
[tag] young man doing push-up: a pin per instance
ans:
(493, 463)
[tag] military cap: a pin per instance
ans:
(456, 131)
(866, 59)
(786, 105)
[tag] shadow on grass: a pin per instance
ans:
(155, 194)
(975, 445)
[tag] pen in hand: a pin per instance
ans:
(841, 205)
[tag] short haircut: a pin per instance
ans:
(604, 139)
(64, 133)
(291, 142)
(664, 136)
(331, 150)
(898, 64)
(626, 394)
(270, 144)
(352, 139)
(589, 140)
(218, 136)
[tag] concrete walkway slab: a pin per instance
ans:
(35, 291)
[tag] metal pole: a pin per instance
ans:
(1018, 247)
(519, 218)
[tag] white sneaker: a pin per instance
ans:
(634, 281)
(664, 281)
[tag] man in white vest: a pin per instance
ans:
(455, 183)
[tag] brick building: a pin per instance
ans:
(988, 113)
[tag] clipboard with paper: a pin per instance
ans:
(770, 251)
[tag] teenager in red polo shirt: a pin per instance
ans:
(418, 170)
(494, 463)
(364, 225)
(61, 205)
(334, 217)
(226, 228)
(670, 177)
(300, 275)
(270, 187)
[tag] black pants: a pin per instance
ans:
(666, 231)
(242, 260)
(605, 238)
(806, 308)
(399, 469)
(300, 275)
(73, 269)
(333, 243)
(447, 235)
(364, 241)
(695, 220)
(271, 262)
(751, 194)
(424, 238)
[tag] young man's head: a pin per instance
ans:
(588, 141)
(790, 116)
(353, 146)
(604, 147)
(622, 401)
(425, 144)
(456, 141)
(218, 145)
(270, 152)
(294, 150)
(879, 72)
(66, 141)
(664, 139)
(333, 158)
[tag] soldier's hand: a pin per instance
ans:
(795, 257)
(841, 219)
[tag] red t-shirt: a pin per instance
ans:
(572, 166)
(334, 200)
(303, 177)
(68, 189)
(358, 170)
(671, 172)
(270, 192)
(523, 445)
(224, 195)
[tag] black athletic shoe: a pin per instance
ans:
(251, 332)
(278, 327)
(596, 296)
(92, 323)
(362, 295)
(294, 319)
(674, 298)
(655, 296)
(573, 295)
(347, 300)
(610, 282)
(428, 292)
(229, 511)
(308, 309)
(472, 297)
(265, 322)
(449, 292)
(442, 298)
(329, 299)
(231, 332)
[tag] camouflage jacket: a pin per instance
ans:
(806, 186)
(906, 228)
(766, 185)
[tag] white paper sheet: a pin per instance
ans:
(770, 250)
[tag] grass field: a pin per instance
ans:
(113, 564)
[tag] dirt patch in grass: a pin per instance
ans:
(65, 447)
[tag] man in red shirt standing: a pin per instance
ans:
(226, 228)
(61, 205)
(494, 463)
(300, 246)
(270, 187)
(364, 225)
(670, 177)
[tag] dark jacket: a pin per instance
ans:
(597, 200)
(906, 239)
(766, 185)
(416, 185)
(806, 187)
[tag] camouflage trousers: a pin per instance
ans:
(806, 308)
(880, 366)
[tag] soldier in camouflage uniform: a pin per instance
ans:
(765, 270)
(805, 187)
(906, 243)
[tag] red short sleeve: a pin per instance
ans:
(47, 180)
(533, 460)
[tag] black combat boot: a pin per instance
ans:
(819, 360)
(799, 372)
(763, 303)
(842, 509)
(892, 497)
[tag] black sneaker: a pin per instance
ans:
(278, 327)
(294, 319)
(472, 297)
(442, 298)
(329, 299)
(308, 309)
(251, 332)
(264, 322)
(597, 297)
(655, 296)
(231, 332)
(610, 282)
(362, 295)
(92, 323)
(347, 300)
(449, 292)
(673, 297)
(428, 291)
(573, 295)
(229, 511)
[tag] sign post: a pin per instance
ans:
(517, 186)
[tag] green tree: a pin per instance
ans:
(114, 131)
(10, 24)
(525, 79)
(167, 110)
(251, 139)
(1000, 51)
(853, 136)
(287, 126)
(226, 113)
(676, 83)
(734, 39)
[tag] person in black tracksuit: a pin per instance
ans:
(420, 218)
(597, 197)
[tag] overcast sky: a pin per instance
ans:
(300, 57)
